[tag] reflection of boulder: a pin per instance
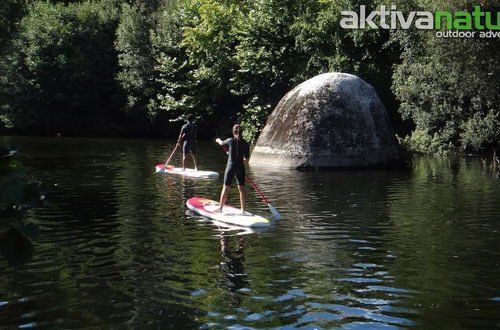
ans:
(16, 248)
(333, 120)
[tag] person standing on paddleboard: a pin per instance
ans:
(188, 135)
(239, 152)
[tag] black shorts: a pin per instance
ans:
(189, 147)
(231, 171)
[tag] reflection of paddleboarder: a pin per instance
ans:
(188, 135)
(239, 151)
(232, 267)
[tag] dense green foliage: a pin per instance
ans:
(59, 73)
(234, 60)
(137, 74)
(109, 67)
(10, 12)
(449, 88)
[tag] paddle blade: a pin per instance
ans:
(161, 168)
(276, 214)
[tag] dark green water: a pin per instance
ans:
(116, 248)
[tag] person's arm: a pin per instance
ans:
(181, 135)
(223, 142)
(179, 139)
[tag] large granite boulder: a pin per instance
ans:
(334, 120)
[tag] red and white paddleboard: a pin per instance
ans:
(160, 168)
(229, 214)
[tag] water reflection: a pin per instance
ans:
(355, 249)
(15, 247)
(232, 266)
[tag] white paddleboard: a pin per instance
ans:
(229, 214)
(160, 168)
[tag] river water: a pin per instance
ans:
(115, 247)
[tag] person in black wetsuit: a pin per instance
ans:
(239, 151)
(188, 135)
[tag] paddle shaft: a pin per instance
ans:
(257, 189)
(273, 210)
(175, 149)
(252, 183)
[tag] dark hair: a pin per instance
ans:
(190, 118)
(237, 130)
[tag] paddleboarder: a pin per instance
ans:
(239, 152)
(188, 135)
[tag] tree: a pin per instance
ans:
(137, 75)
(10, 12)
(234, 60)
(59, 71)
(195, 44)
(284, 43)
(447, 87)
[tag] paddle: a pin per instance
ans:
(168, 160)
(276, 214)
(173, 152)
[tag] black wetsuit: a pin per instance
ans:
(189, 132)
(238, 149)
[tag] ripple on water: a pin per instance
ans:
(115, 246)
(348, 312)
(368, 326)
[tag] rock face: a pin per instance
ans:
(334, 120)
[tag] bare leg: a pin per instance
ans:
(195, 161)
(223, 196)
(242, 197)
(183, 161)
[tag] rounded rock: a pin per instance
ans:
(334, 120)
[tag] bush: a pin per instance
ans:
(59, 70)
(448, 88)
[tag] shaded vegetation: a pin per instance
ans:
(17, 191)
(449, 87)
(17, 194)
(136, 68)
